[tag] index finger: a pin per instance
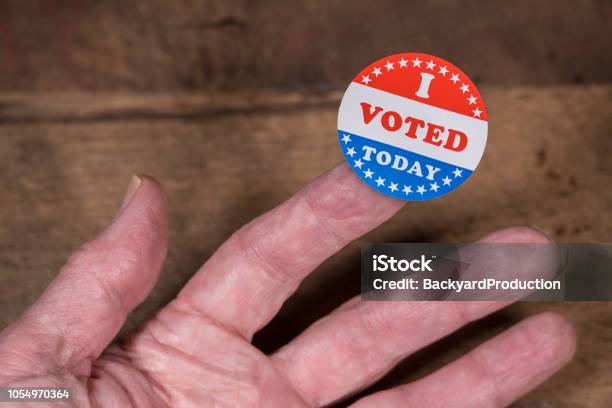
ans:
(244, 284)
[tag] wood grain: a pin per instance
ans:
(223, 159)
(167, 45)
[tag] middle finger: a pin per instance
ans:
(360, 342)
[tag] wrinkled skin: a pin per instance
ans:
(196, 351)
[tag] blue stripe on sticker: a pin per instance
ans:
(399, 173)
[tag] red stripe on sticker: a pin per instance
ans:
(427, 79)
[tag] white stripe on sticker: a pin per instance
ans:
(391, 119)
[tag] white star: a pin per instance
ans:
(472, 99)
(351, 151)
(365, 79)
(346, 138)
(358, 163)
(477, 112)
(393, 187)
(454, 78)
(389, 65)
(446, 181)
(430, 64)
(443, 70)
(368, 173)
(416, 62)
(464, 88)
(403, 63)
(421, 190)
(407, 189)
(380, 181)
(457, 173)
(377, 71)
(434, 186)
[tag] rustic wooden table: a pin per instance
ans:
(223, 159)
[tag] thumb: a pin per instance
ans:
(82, 310)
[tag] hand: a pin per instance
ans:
(196, 351)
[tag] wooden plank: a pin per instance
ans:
(166, 45)
(83, 107)
(65, 160)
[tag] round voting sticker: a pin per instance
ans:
(412, 126)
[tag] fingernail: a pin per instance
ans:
(135, 182)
